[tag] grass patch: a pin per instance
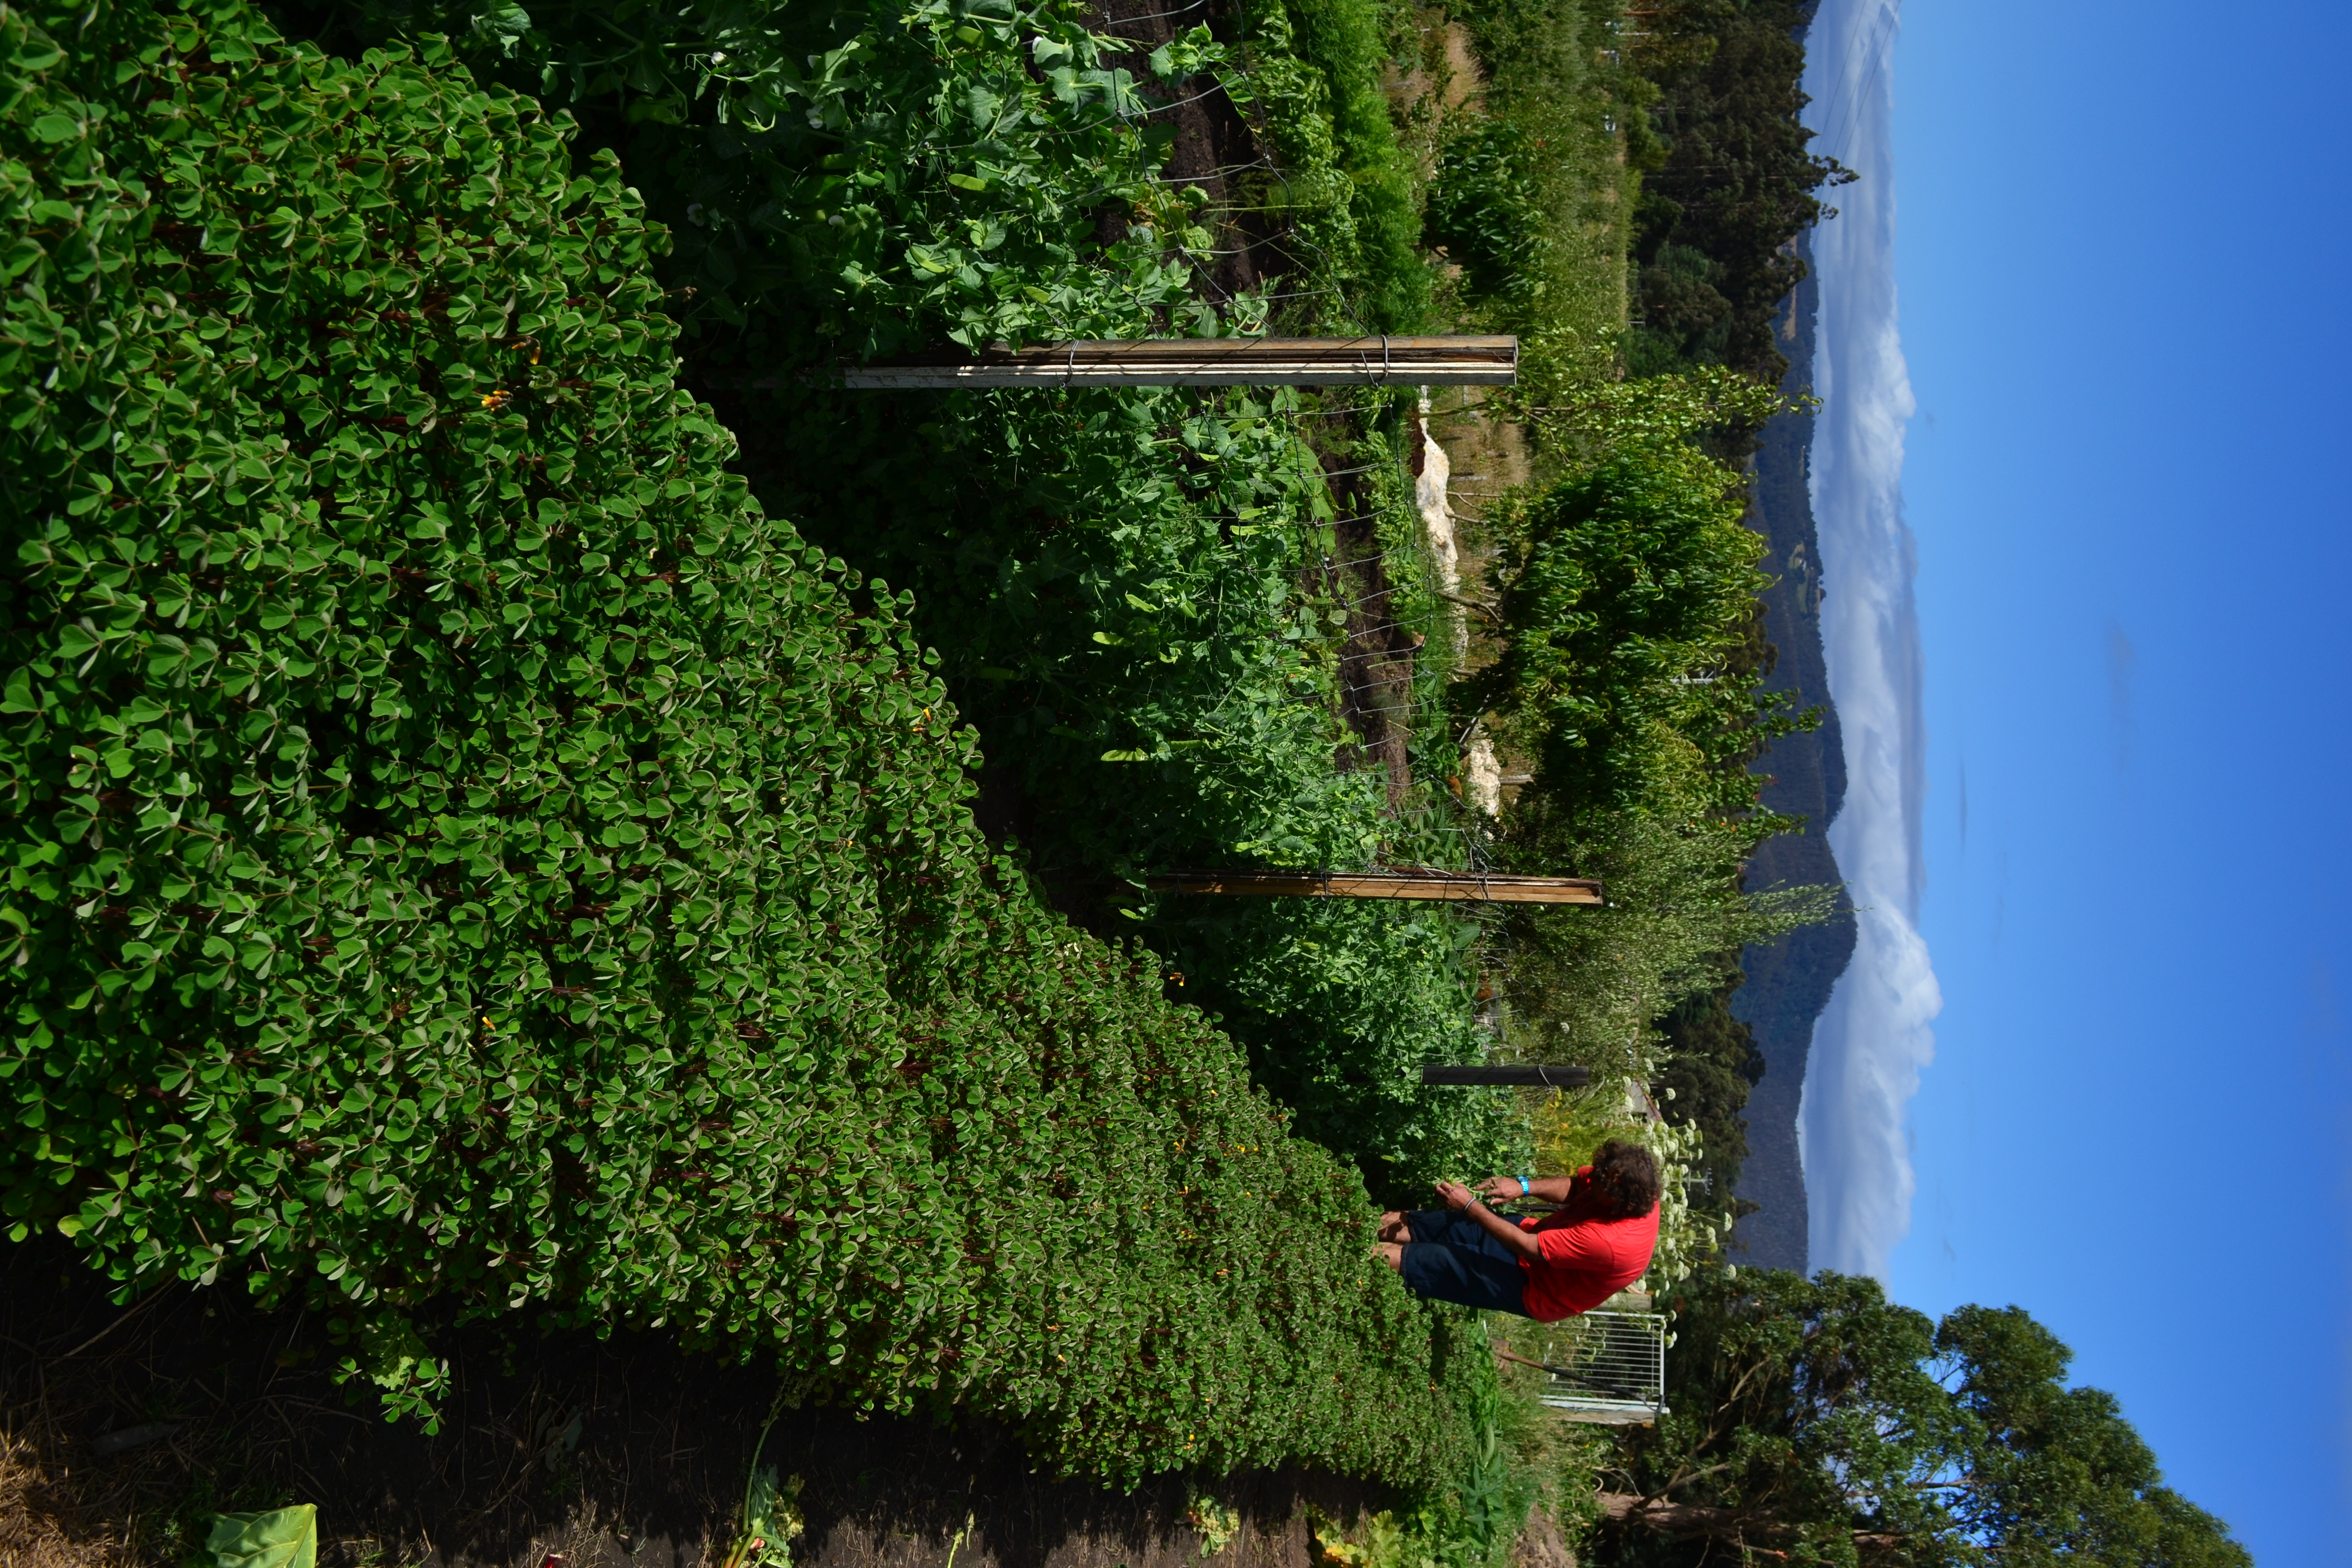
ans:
(1532, 193)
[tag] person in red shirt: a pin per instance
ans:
(1594, 1244)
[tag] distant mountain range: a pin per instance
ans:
(1789, 983)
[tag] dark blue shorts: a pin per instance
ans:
(1451, 1258)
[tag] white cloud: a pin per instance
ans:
(1874, 1038)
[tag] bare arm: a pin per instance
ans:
(1545, 1189)
(1522, 1243)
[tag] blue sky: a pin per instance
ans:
(2120, 250)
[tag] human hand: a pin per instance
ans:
(1454, 1195)
(1501, 1189)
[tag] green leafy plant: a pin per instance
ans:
(1216, 1522)
(1316, 77)
(1629, 587)
(1585, 986)
(1533, 187)
(279, 1538)
(940, 170)
(769, 1521)
(464, 857)
(980, 169)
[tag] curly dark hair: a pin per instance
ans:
(1625, 1179)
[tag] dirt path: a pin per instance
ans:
(622, 1454)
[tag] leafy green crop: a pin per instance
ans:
(854, 177)
(1128, 594)
(460, 850)
(1316, 78)
(1124, 587)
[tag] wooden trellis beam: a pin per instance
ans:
(1527, 1075)
(1453, 887)
(1211, 361)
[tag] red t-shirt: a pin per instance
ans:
(1586, 1259)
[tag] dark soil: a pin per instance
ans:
(625, 1453)
(1377, 659)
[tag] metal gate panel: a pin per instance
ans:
(1607, 1367)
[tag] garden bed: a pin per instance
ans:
(622, 1453)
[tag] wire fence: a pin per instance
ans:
(1608, 1367)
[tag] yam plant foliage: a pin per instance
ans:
(461, 854)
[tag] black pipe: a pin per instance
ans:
(1527, 1075)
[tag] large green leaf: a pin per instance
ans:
(281, 1538)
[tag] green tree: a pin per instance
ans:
(1630, 673)
(1728, 181)
(2060, 1475)
(1712, 1063)
(1813, 1421)
(1626, 591)
(1584, 985)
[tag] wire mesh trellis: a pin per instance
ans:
(1379, 570)
(1362, 565)
(1365, 566)
(1370, 359)
(1607, 1367)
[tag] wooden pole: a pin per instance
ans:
(1210, 362)
(1517, 1076)
(1453, 887)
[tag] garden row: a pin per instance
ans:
(467, 855)
(464, 856)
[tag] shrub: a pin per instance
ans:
(1817, 1413)
(1630, 671)
(1585, 984)
(461, 852)
(1628, 587)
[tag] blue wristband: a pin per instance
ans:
(1526, 1187)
